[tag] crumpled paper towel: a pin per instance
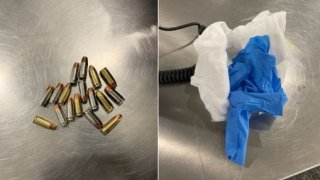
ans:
(217, 44)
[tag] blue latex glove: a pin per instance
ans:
(254, 87)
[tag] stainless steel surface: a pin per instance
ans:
(39, 42)
(192, 147)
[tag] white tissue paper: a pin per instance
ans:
(218, 44)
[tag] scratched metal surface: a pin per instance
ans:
(192, 147)
(39, 42)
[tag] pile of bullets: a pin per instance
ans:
(59, 96)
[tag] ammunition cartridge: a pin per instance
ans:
(93, 119)
(83, 68)
(114, 95)
(92, 99)
(46, 97)
(113, 122)
(56, 93)
(94, 77)
(60, 114)
(44, 123)
(74, 73)
(65, 94)
(78, 105)
(104, 102)
(108, 78)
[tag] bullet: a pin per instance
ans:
(74, 73)
(92, 99)
(44, 123)
(78, 105)
(93, 119)
(83, 90)
(108, 126)
(46, 97)
(108, 78)
(105, 103)
(60, 114)
(70, 110)
(65, 94)
(94, 77)
(83, 68)
(114, 95)
(56, 93)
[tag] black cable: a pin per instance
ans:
(201, 28)
(183, 74)
(176, 75)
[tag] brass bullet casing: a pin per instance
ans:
(56, 93)
(78, 105)
(105, 103)
(114, 95)
(108, 126)
(44, 123)
(60, 114)
(108, 78)
(93, 119)
(92, 99)
(83, 90)
(65, 94)
(70, 110)
(46, 97)
(83, 68)
(74, 73)
(94, 77)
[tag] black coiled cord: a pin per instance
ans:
(176, 75)
(183, 74)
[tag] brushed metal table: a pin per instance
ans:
(192, 147)
(39, 42)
